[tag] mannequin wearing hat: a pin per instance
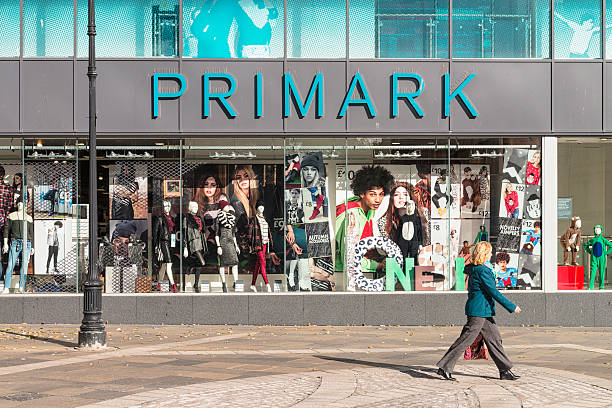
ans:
(261, 240)
(163, 239)
(227, 246)
(194, 241)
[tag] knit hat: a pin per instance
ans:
(124, 230)
(312, 159)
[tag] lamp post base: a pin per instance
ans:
(92, 339)
(92, 333)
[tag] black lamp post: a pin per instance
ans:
(92, 332)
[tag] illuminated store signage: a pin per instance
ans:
(356, 95)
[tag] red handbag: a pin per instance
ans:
(477, 351)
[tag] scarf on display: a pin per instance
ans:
(227, 219)
(170, 222)
(195, 221)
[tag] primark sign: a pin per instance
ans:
(221, 88)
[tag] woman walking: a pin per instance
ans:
(480, 309)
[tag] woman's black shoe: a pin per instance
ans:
(445, 375)
(508, 375)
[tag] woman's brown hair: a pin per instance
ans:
(391, 208)
(481, 252)
(201, 198)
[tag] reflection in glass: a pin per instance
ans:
(136, 28)
(9, 28)
(392, 29)
(501, 28)
(316, 29)
(577, 29)
(233, 29)
(47, 28)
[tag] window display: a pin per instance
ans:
(204, 224)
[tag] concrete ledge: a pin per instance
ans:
(572, 309)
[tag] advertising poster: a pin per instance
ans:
(444, 193)
(308, 224)
(530, 275)
(533, 169)
(506, 269)
(515, 163)
(128, 191)
(531, 237)
(475, 191)
(55, 253)
(533, 200)
(509, 236)
(512, 199)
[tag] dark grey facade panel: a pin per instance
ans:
(124, 96)
(242, 100)
(509, 97)
(608, 97)
(578, 93)
(378, 79)
(401, 308)
(9, 96)
(46, 96)
(334, 85)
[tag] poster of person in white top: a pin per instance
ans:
(583, 32)
(56, 252)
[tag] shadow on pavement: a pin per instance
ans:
(45, 339)
(413, 371)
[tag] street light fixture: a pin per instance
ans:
(92, 333)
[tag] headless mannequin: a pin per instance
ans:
(160, 247)
(18, 215)
(194, 241)
(262, 247)
(227, 223)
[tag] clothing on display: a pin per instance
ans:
(163, 228)
(570, 241)
(599, 248)
(227, 238)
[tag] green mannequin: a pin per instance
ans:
(483, 235)
(598, 247)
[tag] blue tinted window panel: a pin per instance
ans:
(501, 28)
(131, 29)
(9, 28)
(233, 29)
(577, 29)
(316, 28)
(398, 29)
(48, 28)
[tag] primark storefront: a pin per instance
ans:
(291, 162)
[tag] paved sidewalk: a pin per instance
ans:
(306, 366)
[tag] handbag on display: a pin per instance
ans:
(477, 350)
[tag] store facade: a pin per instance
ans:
(352, 147)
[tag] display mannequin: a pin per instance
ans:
(483, 235)
(13, 230)
(164, 238)
(194, 242)
(599, 248)
(570, 241)
(227, 246)
(409, 233)
(260, 244)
